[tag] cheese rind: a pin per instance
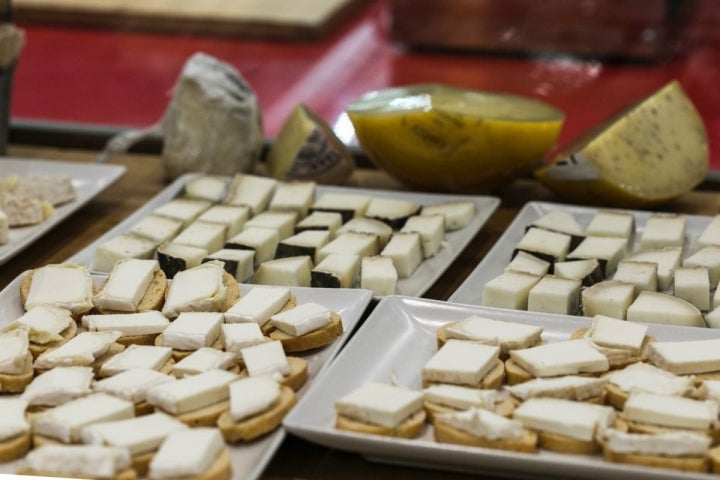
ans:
(582, 421)
(258, 305)
(238, 263)
(126, 285)
(380, 404)
(336, 270)
(561, 358)
(671, 411)
(59, 385)
(251, 396)
(460, 362)
(192, 392)
(187, 453)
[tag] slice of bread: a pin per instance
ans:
(202, 417)
(686, 464)
(260, 424)
(16, 383)
(409, 428)
(516, 374)
(15, 447)
(178, 355)
(297, 376)
(38, 348)
(446, 434)
(311, 340)
(491, 381)
(503, 408)
(152, 300)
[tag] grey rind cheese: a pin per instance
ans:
(329, 221)
(337, 270)
(360, 244)
(174, 258)
(367, 225)
(588, 271)
(251, 190)
(346, 204)
(291, 272)
(122, 246)
(263, 241)
(308, 242)
(392, 211)
(238, 263)
(549, 246)
(405, 250)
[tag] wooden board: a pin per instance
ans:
(286, 19)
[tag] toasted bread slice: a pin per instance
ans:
(15, 447)
(516, 374)
(39, 348)
(268, 327)
(503, 408)
(152, 300)
(178, 355)
(315, 339)
(409, 428)
(202, 417)
(617, 364)
(446, 434)
(17, 383)
(492, 379)
(615, 397)
(687, 464)
(260, 424)
(564, 444)
(221, 469)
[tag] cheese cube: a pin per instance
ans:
(251, 190)
(294, 196)
(608, 298)
(607, 250)
(263, 241)
(641, 274)
(378, 274)
(693, 284)
(282, 222)
(122, 246)
(663, 230)
(233, 217)
(525, 262)
(708, 257)
(431, 229)
(185, 210)
(509, 290)
(405, 251)
(157, 229)
(555, 295)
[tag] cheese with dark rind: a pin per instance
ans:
(611, 165)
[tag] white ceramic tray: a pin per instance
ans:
(416, 285)
(248, 460)
(470, 291)
(89, 179)
(395, 342)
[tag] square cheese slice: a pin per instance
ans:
(193, 330)
(671, 411)
(507, 335)
(139, 435)
(258, 305)
(380, 404)
(578, 420)
(460, 362)
(689, 357)
(561, 358)
(136, 356)
(198, 289)
(192, 392)
(126, 285)
(187, 453)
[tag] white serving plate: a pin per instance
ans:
(470, 291)
(89, 179)
(416, 285)
(250, 459)
(395, 342)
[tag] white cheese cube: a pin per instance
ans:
(157, 229)
(547, 245)
(663, 230)
(667, 260)
(307, 242)
(608, 298)
(611, 223)
(207, 187)
(187, 453)
(360, 244)
(205, 235)
(263, 241)
(266, 359)
(233, 217)
(708, 257)
(561, 358)
(291, 272)
(460, 362)
(378, 274)
(509, 290)
(458, 214)
(329, 221)
(392, 211)
(431, 229)
(251, 190)
(122, 246)
(555, 295)
(185, 210)
(174, 258)
(588, 271)
(405, 251)
(237, 336)
(654, 307)
(641, 274)
(282, 222)
(607, 250)
(711, 234)
(693, 284)
(380, 404)
(525, 262)
(367, 225)
(294, 196)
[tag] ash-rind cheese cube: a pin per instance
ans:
(693, 284)
(283, 222)
(549, 246)
(251, 190)
(708, 257)
(346, 204)
(588, 271)
(174, 258)
(329, 221)
(368, 225)
(337, 270)
(458, 214)
(608, 251)
(524, 262)
(405, 250)
(238, 263)
(641, 274)
(608, 298)
(185, 210)
(209, 236)
(294, 196)
(157, 229)
(555, 295)
(663, 230)
(609, 223)
(291, 271)
(233, 217)
(431, 229)
(561, 222)
(360, 244)
(667, 260)
(263, 241)
(392, 211)
(307, 242)
(122, 246)
(509, 290)
(378, 274)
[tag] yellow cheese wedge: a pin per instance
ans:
(440, 137)
(307, 149)
(652, 152)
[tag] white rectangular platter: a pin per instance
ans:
(395, 342)
(250, 459)
(89, 179)
(416, 285)
(470, 291)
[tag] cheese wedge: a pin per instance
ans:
(460, 362)
(654, 307)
